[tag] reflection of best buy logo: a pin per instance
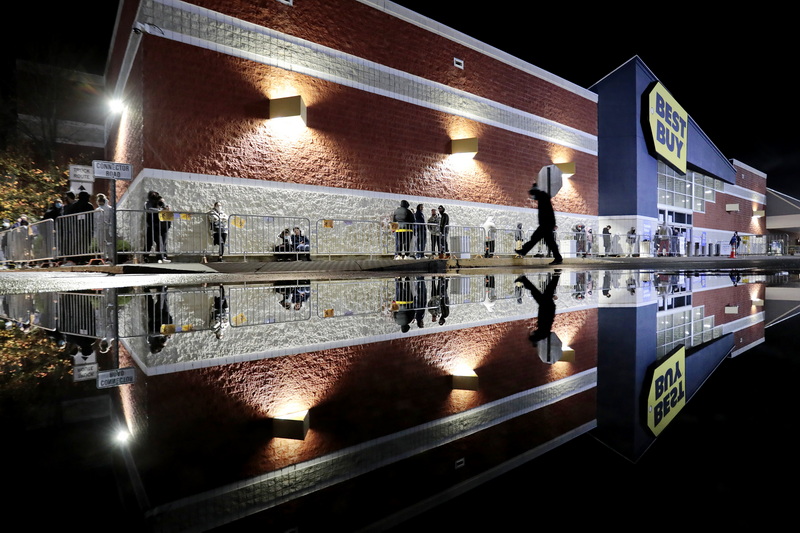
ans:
(668, 126)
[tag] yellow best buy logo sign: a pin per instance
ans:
(668, 126)
(667, 395)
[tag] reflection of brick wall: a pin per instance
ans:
(356, 394)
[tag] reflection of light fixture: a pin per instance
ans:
(732, 208)
(759, 213)
(291, 426)
(291, 106)
(467, 147)
(552, 351)
(758, 301)
(465, 380)
(567, 169)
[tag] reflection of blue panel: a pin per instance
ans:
(627, 348)
(700, 364)
(627, 354)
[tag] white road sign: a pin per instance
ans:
(112, 171)
(81, 173)
(114, 378)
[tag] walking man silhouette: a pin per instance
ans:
(547, 224)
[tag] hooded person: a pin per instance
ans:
(404, 219)
(547, 224)
(490, 234)
(55, 210)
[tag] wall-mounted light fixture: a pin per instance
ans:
(464, 380)
(291, 426)
(732, 208)
(567, 169)
(467, 147)
(289, 107)
(731, 309)
(759, 213)
(758, 302)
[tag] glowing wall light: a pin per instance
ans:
(758, 302)
(567, 169)
(464, 379)
(291, 107)
(291, 426)
(759, 213)
(467, 147)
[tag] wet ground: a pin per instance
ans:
(725, 457)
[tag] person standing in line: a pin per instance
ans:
(69, 202)
(607, 240)
(444, 230)
(547, 225)
(103, 227)
(631, 240)
(218, 225)
(433, 227)
(156, 231)
(490, 233)
(735, 242)
(420, 233)
(404, 219)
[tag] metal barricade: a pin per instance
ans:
(268, 304)
(76, 237)
(267, 235)
(18, 245)
(352, 237)
(464, 241)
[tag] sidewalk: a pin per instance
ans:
(234, 266)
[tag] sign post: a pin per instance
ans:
(112, 171)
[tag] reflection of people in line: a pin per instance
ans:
(403, 301)
(607, 240)
(547, 306)
(220, 314)
(444, 300)
(420, 300)
(547, 224)
(158, 320)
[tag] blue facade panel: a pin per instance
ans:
(628, 181)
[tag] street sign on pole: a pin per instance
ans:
(112, 171)
(114, 378)
(81, 178)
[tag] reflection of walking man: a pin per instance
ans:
(547, 306)
(547, 224)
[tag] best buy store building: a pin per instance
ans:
(656, 166)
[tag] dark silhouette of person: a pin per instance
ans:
(158, 316)
(403, 303)
(547, 224)
(547, 306)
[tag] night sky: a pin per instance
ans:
(730, 72)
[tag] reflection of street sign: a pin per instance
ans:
(84, 372)
(114, 378)
(112, 171)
